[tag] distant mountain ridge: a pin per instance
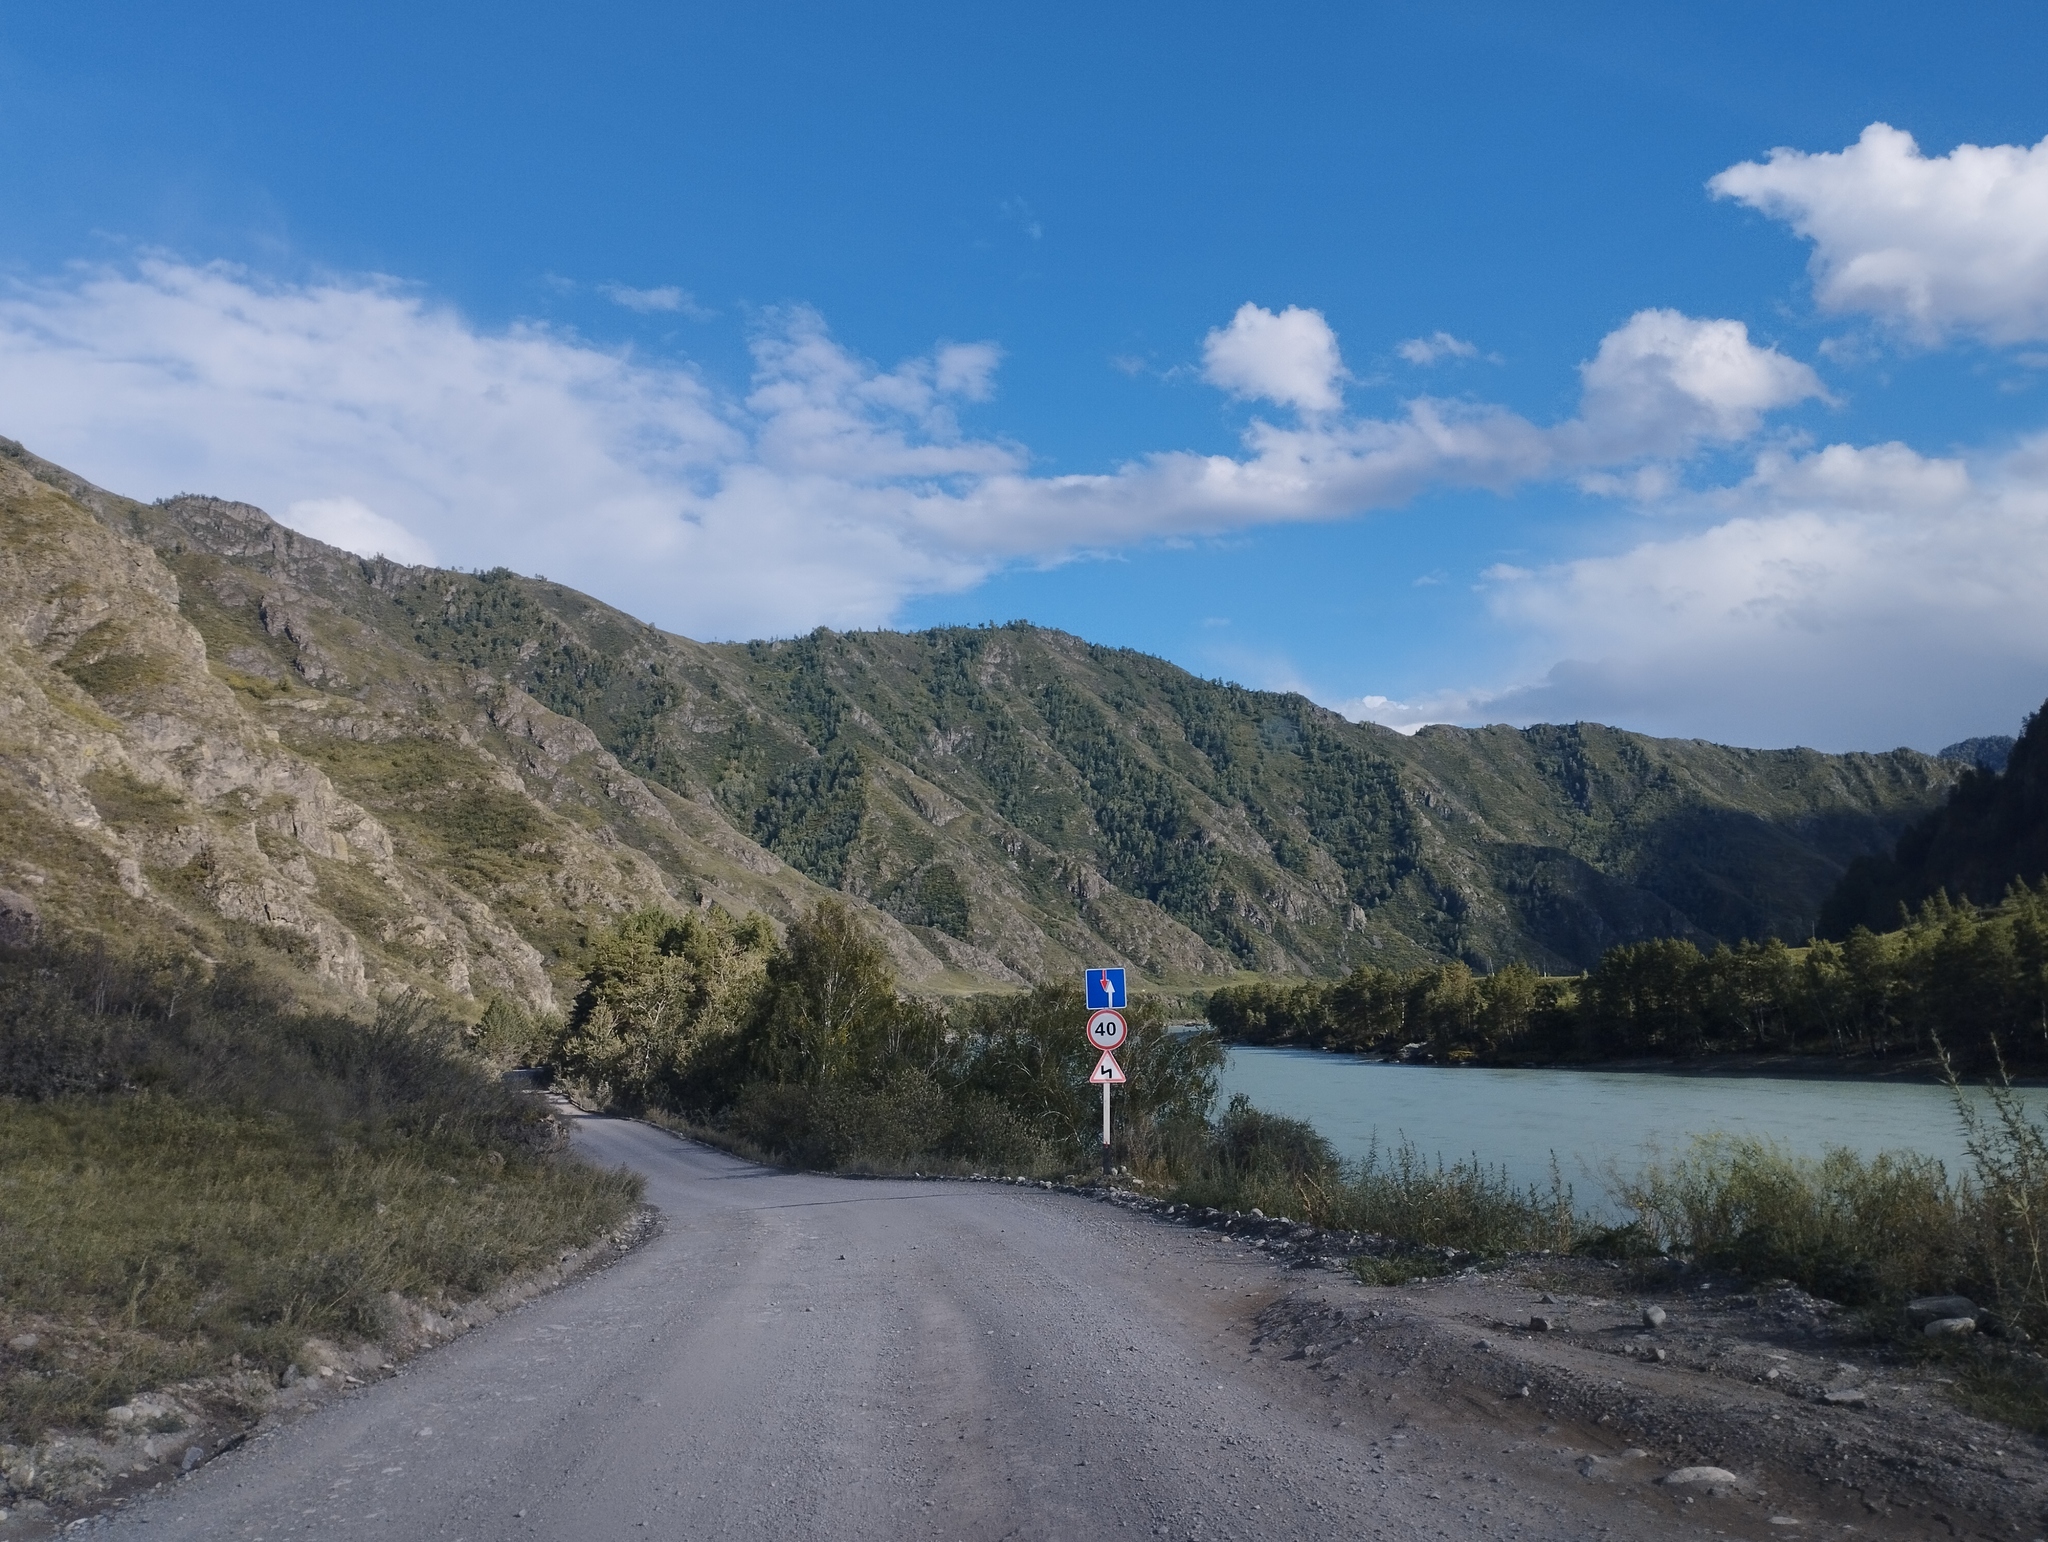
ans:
(1988, 752)
(238, 736)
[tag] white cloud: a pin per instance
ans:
(1438, 345)
(827, 493)
(667, 298)
(1401, 716)
(1830, 594)
(1665, 382)
(967, 369)
(1290, 358)
(1933, 244)
(358, 528)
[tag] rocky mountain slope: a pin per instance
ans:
(221, 733)
(198, 750)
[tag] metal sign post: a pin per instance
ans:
(1104, 989)
(1105, 1129)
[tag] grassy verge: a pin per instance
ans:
(194, 1180)
(1874, 1232)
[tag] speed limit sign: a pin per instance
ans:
(1106, 1029)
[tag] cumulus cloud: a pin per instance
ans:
(1438, 345)
(827, 492)
(358, 528)
(1956, 243)
(1817, 598)
(1665, 382)
(1290, 358)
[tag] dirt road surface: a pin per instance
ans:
(797, 1356)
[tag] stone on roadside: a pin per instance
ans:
(1542, 1324)
(1848, 1397)
(1714, 1480)
(23, 1343)
(1922, 1310)
(1654, 1317)
(1950, 1327)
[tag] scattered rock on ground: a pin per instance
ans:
(1715, 1481)
(1922, 1310)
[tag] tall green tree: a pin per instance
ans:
(664, 995)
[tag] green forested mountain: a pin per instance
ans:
(1991, 832)
(1004, 803)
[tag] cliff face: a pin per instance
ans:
(221, 734)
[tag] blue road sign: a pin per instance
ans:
(1105, 988)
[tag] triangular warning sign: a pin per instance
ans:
(1107, 1072)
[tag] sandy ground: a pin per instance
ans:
(792, 1355)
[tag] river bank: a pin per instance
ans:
(1669, 1385)
(1597, 1128)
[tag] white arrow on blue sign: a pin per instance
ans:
(1105, 988)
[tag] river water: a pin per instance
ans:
(1594, 1122)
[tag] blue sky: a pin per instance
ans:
(1401, 355)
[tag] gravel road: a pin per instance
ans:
(797, 1356)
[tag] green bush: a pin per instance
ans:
(1253, 1142)
(1866, 1231)
(2009, 1206)
(1870, 1231)
(1256, 1160)
(664, 998)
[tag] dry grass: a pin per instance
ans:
(194, 1179)
(148, 1238)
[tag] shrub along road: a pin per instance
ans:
(803, 1356)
